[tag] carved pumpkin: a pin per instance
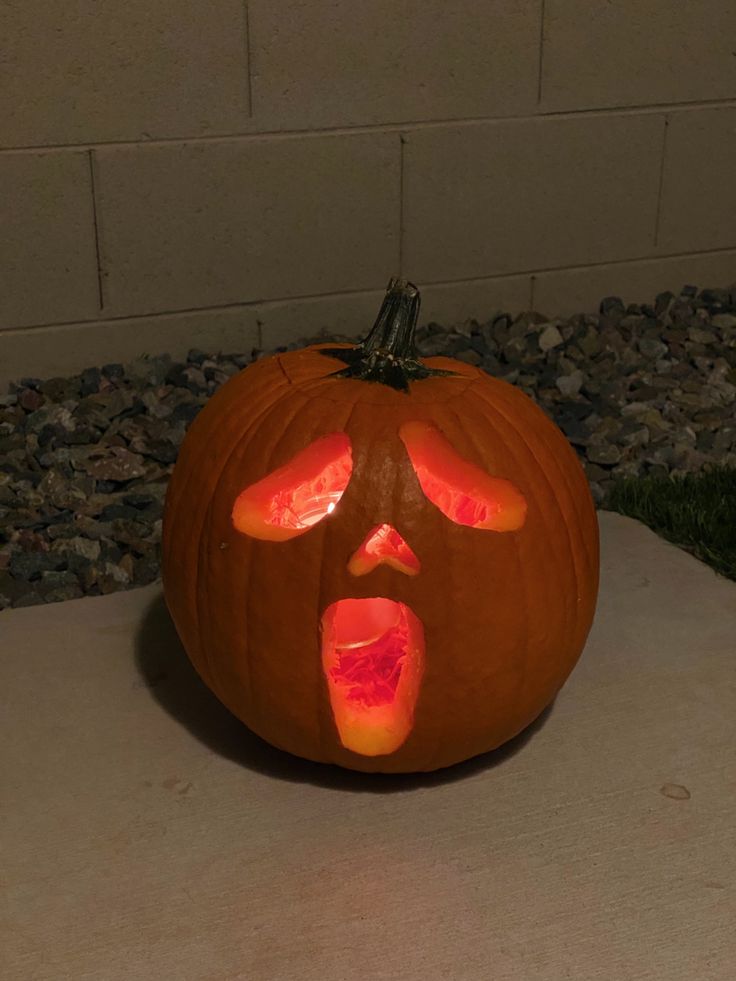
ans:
(379, 561)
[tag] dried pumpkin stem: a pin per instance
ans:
(393, 331)
(388, 354)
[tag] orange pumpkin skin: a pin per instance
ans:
(505, 614)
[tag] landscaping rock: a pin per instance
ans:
(550, 338)
(115, 464)
(571, 384)
(84, 461)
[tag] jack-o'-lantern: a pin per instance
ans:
(377, 560)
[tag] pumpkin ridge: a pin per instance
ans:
(321, 681)
(564, 473)
(505, 615)
(202, 546)
(248, 593)
(570, 617)
(547, 519)
(517, 557)
(206, 527)
(173, 506)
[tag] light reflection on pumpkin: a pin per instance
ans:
(373, 660)
(297, 495)
(462, 491)
(373, 649)
(383, 544)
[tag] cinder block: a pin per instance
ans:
(348, 314)
(454, 303)
(102, 70)
(567, 291)
(341, 63)
(48, 265)
(510, 196)
(698, 208)
(68, 349)
(211, 224)
(637, 52)
(353, 314)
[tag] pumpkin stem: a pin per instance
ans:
(388, 354)
(393, 331)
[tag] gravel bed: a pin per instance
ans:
(84, 461)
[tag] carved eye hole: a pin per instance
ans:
(290, 500)
(462, 491)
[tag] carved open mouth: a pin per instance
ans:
(373, 661)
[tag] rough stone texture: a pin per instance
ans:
(47, 246)
(253, 205)
(633, 53)
(696, 206)
(84, 461)
(98, 70)
(337, 63)
(498, 198)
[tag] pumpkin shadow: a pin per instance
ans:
(172, 681)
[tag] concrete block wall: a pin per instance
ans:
(244, 172)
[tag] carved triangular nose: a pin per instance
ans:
(383, 544)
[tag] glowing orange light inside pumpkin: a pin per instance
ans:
(293, 498)
(373, 661)
(383, 544)
(462, 491)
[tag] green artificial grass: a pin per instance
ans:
(696, 511)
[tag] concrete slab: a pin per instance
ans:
(147, 835)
